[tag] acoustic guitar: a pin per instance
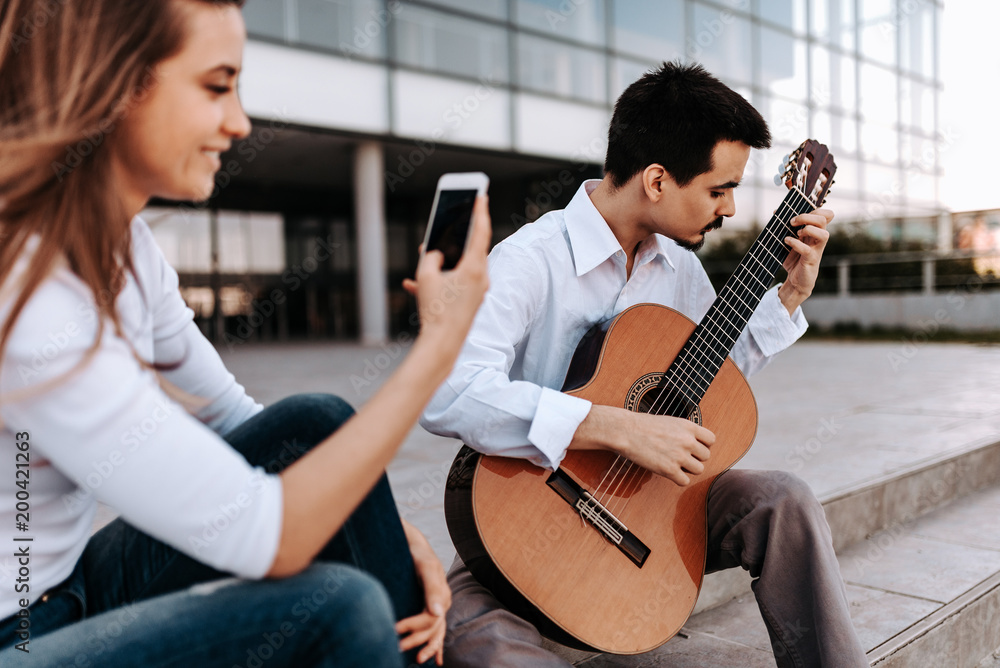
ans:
(602, 554)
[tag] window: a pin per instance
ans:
(442, 42)
(833, 80)
(650, 29)
(567, 71)
(265, 18)
(496, 9)
(790, 14)
(833, 22)
(879, 142)
(354, 27)
(581, 21)
(916, 38)
(878, 31)
(624, 73)
(783, 64)
(721, 42)
(878, 94)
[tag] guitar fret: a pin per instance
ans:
(713, 339)
(724, 328)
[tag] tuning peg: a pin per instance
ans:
(778, 179)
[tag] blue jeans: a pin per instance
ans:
(134, 601)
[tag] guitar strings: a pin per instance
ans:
(675, 408)
(675, 389)
(623, 475)
(630, 475)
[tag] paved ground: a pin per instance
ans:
(838, 414)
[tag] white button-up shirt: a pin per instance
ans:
(549, 283)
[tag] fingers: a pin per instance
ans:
(437, 593)
(704, 436)
(481, 226)
(691, 454)
(819, 218)
(679, 477)
(423, 629)
(432, 261)
(436, 589)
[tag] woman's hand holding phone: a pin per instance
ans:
(448, 300)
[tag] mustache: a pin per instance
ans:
(714, 225)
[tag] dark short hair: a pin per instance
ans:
(674, 116)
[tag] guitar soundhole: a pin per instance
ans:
(645, 396)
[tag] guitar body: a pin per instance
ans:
(523, 540)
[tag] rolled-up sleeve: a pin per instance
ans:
(479, 403)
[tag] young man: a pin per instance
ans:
(678, 145)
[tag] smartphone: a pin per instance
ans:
(451, 214)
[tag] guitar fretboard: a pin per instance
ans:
(702, 356)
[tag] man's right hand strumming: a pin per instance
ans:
(668, 446)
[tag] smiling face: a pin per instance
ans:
(169, 143)
(686, 214)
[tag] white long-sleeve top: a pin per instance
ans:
(109, 433)
(549, 283)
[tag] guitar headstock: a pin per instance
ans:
(809, 169)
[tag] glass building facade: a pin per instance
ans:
(524, 90)
(861, 77)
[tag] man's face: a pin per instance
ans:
(686, 214)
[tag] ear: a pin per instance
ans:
(654, 179)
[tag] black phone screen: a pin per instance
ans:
(450, 226)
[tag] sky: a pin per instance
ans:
(970, 104)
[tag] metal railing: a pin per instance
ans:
(925, 272)
(962, 268)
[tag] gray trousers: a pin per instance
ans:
(767, 522)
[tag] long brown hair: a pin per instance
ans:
(70, 72)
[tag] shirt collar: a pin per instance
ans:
(591, 239)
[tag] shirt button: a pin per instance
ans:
(45, 597)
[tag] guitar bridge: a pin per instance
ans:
(599, 517)
(594, 511)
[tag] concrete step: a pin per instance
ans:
(860, 511)
(924, 592)
(877, 529)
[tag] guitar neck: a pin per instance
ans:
(713, 339)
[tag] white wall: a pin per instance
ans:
(297, 86)
(966, 309)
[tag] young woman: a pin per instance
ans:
(109, 393)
